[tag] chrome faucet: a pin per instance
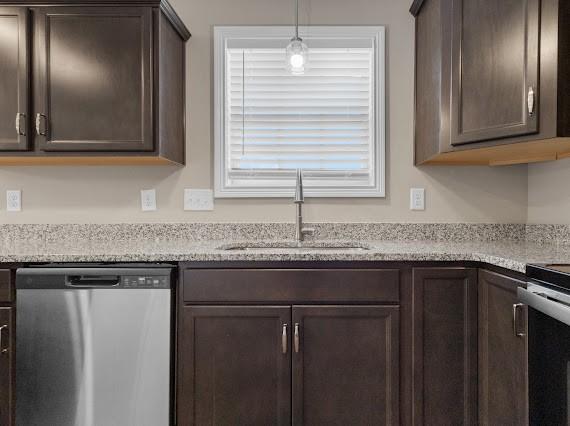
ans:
(300, 230)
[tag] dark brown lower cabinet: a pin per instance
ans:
(6, 366)
(345, 365)
(428, 346)
(445, 346)
(503, 343)
(235, 367)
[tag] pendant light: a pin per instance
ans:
(297, 52)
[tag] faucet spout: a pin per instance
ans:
(300, 230)
(299, 197)
(299, 235)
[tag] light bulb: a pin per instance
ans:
(297, 60)
(297, 55)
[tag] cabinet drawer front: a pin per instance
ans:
(6, 294)
(290, 285)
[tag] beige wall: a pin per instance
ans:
(111, 194)
(549, 192)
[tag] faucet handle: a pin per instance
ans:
(299, 197)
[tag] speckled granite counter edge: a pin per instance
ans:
(263, 231)
(373, 256)
(537, 233)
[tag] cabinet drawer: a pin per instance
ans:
(6, 293)
(290, 285)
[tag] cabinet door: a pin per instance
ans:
(445, 346)
(345, 365)
(234, 366)
(14, 79)
(503, 366)
(93, 75)
(6, 366)
(495, 60)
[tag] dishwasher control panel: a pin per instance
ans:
(141, 281)
(96, 278)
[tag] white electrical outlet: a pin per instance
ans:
(14, 200)
(148, 200)
(417, 199)
(198, 199)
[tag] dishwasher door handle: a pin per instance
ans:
(93, 280)
(547, 306)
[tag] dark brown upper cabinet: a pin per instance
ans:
(492, 81)
(93, 68)
(503, 347)
(108, 84)
(14, 79)
(494, 69)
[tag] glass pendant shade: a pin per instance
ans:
(297, 56)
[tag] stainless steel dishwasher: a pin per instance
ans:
(93, 345)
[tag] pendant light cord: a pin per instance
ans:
(243, 102)
(296, 19)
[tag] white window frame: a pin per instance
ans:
(223, 33)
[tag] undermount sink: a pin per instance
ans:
(288, 246)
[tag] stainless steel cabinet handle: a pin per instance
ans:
(296, 337)
(39, 119)
(19, 130)
(516, 308)
(2, 349)
(284, 339)
(530, 100)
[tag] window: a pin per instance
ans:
(329, 121)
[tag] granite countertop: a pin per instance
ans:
(509, 246)
(513, 255)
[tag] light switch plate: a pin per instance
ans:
(417, 199)
(14, 200)
(148, 200)
(198, 199)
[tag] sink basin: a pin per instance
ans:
(288, 246)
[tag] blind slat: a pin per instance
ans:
(315, 118)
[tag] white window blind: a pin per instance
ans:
(328, 121)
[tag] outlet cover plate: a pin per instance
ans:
(417, 199)
(198, 199)
(148, 200)
(14, 200)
